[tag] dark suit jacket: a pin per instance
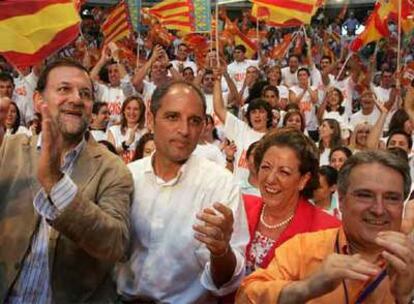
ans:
(87, 238)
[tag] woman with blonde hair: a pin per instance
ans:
(359, 137)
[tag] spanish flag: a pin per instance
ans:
(286, 12)
(31, 30)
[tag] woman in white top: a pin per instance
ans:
(330, 137)
(125, 136)
(332, 107)
(274, 78)
(13, 121)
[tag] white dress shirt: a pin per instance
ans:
(167, 264)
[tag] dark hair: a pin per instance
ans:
(341, 109)
(97, 106)
(256, 91)
(382, 157)
(403, 133)
(290, 113)
(293, 55)
(4, 77)
(336, 138)
(271, 88)
(327, 57)
(398, 120)
(259, 103)
(240, 47)
(164, 88)
(305, 150)
(61, 62)
(139, 150)
(251, 148)
(188, 68)
(108, 145)
(398, 152)
(16, 123)
(210, 119)
(343, 149)
(303, 69)
(330, 173)
(141, 118)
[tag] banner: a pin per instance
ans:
(202, 15)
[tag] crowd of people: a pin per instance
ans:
(267, 180)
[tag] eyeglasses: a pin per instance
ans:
(370, 197)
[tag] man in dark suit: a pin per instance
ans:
(64, 203)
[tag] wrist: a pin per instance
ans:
(222, 254)
(230, 159)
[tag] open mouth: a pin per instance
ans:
(271, 190)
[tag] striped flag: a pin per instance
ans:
(30, 31)
(175, 14)
(117, 25)
(286, 12)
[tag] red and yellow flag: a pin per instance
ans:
(286, 12)
(175, 14)
(376, 26)
(30, 31)
(117, 25)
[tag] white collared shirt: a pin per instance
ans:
(167, 263)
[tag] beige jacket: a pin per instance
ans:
(87, 238)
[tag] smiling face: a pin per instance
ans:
(338, 159)
(280, 180)
(69, 96)
(132, 112)
(113, 75)
(178, 123)
(372, 203)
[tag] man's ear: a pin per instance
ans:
(37, 101)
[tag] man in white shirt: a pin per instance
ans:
(111, 92)
(237, 69)
(188, 222)
(181, 59)
(289, 73)
(368, 113)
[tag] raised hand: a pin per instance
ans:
(399, 253)
(217, 229)
(48, 172)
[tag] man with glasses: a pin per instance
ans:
(370, 259)
(65, 201)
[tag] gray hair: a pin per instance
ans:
(384, 158)
(162, 90)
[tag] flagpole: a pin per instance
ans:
(398, 83)
(344, 65)
(138, 49)
(217, 34)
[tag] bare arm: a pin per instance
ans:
(218, 103)
(140, 74)
(105, 57)
(376, 132)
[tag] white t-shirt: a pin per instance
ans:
(288, 78)
(243, 136)
(24, 88)
(186, 64)
(346, 86)
(307, 108)
(383, 96)
(283, 91)
(99, 135)
(211, 152)
(359, 118)
(237, 71)
(114, 96)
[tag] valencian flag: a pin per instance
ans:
(286, 12)
(31, 30)
(117, 25)
(175, 14)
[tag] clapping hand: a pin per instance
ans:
(216, 230)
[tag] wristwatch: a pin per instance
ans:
(125, 146)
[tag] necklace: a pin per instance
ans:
(276, 226)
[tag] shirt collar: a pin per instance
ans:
(149, 169)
